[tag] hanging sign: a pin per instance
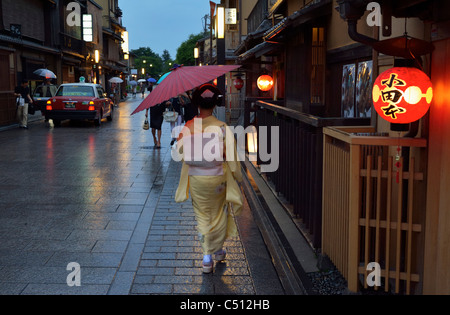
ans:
(230, 16)
(265, 83)
(238, 83)
(402, 95)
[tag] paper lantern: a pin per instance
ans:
(265, 83)
(402, 95)
(252, 140)
(238, 83)
(252, 143)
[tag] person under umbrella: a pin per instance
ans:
(142, 86)
(182, 79)
(45, 73)
(174, 104)
(133, 85)
(115, 86)
(150, 81)
(156, 121)
(212, 183)
(189, 110)
(48, 90)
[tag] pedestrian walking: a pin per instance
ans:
(22, 92)
(175, 105)
(212, 184)
(189, 110)
(115, 96)
(156, 121)
(142, 86)
(48, 90)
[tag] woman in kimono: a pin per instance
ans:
(212, 178)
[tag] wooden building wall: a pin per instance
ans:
(437, 242)
(7, 85)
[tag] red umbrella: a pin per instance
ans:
(180, 80)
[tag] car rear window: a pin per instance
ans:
(38, 91)
(41, 92)
(75, 90)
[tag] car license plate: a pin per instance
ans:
(70, 105)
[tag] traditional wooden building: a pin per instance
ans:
(364, 192)
(113, 64)
(37, 34)
(27, 43)
(210, 52)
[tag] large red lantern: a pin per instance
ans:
(238, 83)
(402, 95)
(265, 83)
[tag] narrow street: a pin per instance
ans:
(102, 197)
(339, 109)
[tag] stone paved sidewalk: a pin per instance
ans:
(103, 198)
(171, 259)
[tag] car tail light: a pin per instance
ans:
(91, 108)
(49, 105)
(91, 103)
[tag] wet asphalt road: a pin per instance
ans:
(102, 197)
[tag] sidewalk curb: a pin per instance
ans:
(292, 275)
(32, 119)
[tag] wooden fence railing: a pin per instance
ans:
(373, 207)
(299, 175)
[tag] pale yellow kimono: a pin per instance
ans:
(215, 197)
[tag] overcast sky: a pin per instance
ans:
(162, 24)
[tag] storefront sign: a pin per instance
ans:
(402, 95)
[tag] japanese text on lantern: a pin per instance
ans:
(392, 96)
(402, 95)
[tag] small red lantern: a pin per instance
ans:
(238, 83)
(402, 95)
(265, 83)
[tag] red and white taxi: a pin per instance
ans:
(79, 101)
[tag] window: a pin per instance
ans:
(232, 4)
(357, 89)
(38, 92)
(76, 90)
(318, 66)
(100, 92)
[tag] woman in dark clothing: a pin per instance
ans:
(190, 111)
(174, 104)
(156, 121)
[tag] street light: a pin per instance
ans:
(220, 22)
(97, 56)
(221, 57)
(97, 61)
(88, 28)
(196, 54)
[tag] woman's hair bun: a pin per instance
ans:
(207, 96)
